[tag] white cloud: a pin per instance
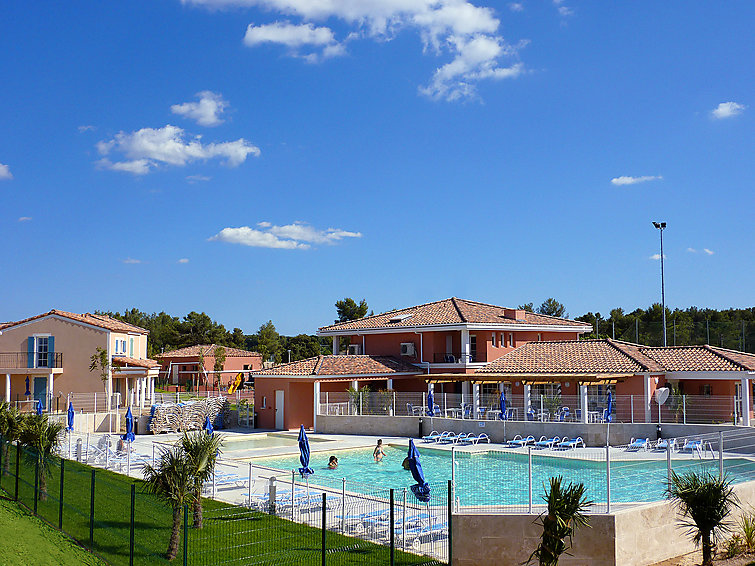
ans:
(453, 28)
(295, 236)
(692, 250)
(130, 260)
(5, 173)
(516, 7)
(197, 178)
(320, 40)
(656, 257)
(206, 112)
(83, 129)
(727, 110)
(709, 252)
(183, 260)
(148, 148)
(24, 219)
(625, 180)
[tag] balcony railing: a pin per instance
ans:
(20, 360)
(453, 358)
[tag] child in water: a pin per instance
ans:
(378, 452)
(332, 463)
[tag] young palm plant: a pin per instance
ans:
(42, 437)
(171, 480)
(566, 512)
(11, 423)
(707, 500)
(201, 450)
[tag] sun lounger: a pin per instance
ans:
(424, 533)
(692, 445)
(547, 442)
(638, 444)
(482, 438)
(448, 438)
(665, 444)
(518, 441)
(569, 443)
(434, 436)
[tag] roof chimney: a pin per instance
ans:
(514, 314)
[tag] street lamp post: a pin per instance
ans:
(661, 226)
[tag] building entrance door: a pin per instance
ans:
(279, 400)
(40, 391)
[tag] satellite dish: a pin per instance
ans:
(661, 395)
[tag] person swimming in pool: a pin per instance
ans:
(378, 452)
(332, 463)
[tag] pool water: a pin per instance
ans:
(501, 478)
(258, 441)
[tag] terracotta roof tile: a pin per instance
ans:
(700, 358)
(207, 350)
(100, 320)
(449, 311)
(342, 365)
(125, 360)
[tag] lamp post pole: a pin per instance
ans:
(661, 226)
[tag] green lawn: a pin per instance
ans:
(232, 535)
(28, 540)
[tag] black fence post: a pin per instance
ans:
(324, 522)
(186, 535)
(18, 469)
(393, 541)
(60, 499)
(131, 537)
(91, 512)
(450, 526)
(36, 482)
(2, 469)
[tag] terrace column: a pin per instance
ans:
(390, 384)
(583, 401)
(475, 399)
(527, 400)
(142, 392)
(316, 397)
(465, 346)
(746, 401)
(336, 345)
(7, 388)
(50, 389)
(648, 398)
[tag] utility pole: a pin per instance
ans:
(661, 226)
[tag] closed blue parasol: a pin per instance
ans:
(27, 393)
(129, 436)
(70, 416)
(430, 404)
(503, 403)
(39, 407)
(305, 470)
(421, 490)
(609, 407)
(208, 426)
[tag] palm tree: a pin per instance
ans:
(707, 500)
(171, 480)
(201, 450)
(42, 437)
(566, 508)
(11, 423)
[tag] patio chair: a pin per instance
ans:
(518, 441)
(569, 443)
(562, 414)
(638, 444)
(409, 409)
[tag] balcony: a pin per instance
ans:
(453, 358)
(20, 360)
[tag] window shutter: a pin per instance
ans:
(131, 347)
(30, 353)
(51, 352)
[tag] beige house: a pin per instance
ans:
(46, 357)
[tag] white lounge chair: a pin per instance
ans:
(638, 444)
(518, 441)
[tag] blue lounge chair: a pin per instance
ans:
(665, 444)
(424, 533)
(570, 443)
(518, 441)
(434, 436)
(692, 445)
(448, 438)
(638, 444)
(547, 442)
(482, 438)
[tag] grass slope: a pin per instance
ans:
(232, 535)
(28, 540)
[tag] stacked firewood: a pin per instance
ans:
(172, 417)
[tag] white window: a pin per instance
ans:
(539, 337)
(494, 340)
(42, 351)
(503, 340)
(511, 339)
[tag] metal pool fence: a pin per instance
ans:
(251, 515)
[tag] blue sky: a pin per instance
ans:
(262, 159)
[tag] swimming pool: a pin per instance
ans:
(501, 478)
(254, 441)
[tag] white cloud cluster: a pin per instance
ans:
(705, 250)
(656, 257)
(183, 260)
(131, 261)
(469, 33)
(5, 173)
(626, 180)
(727, 110)
(148, 148)
(206, 111)
(24, 219)
(516, 7)
(563, 10)
(296, 236)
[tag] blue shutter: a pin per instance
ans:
(131, 347)
(51, 352)
(30, 353)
